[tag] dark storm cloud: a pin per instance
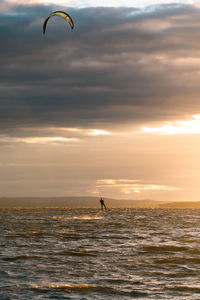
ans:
(119, 65)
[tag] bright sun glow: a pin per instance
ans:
(96, 132)
(178, 127)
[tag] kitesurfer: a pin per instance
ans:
(102, 204)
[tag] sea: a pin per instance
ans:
(60, 253)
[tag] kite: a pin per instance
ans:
(61, 14)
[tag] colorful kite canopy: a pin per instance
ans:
(61, 14)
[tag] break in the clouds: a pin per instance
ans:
(177, 127)
(51, 135)
(127, 186)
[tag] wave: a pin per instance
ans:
(87, 288)
(36, 233)
(184, 288)
(81, 252)
(179, 260)
(85, 217)
(13, 258)
(69, 234)
(164, 248)
(181, 274)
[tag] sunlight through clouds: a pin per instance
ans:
(82, 131)
(95, 132)
(127, 186)
(53, 135)
(37, 140)
(177, 127)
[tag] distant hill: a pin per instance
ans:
(184, 205)
(72, 202)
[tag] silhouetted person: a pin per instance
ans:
(102, 204)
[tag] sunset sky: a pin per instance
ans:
(110, 108)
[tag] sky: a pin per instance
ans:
(110, 108)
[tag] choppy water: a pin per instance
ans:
(86, 254)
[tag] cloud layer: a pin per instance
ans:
(119, 65)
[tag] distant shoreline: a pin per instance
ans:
(90, 202)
